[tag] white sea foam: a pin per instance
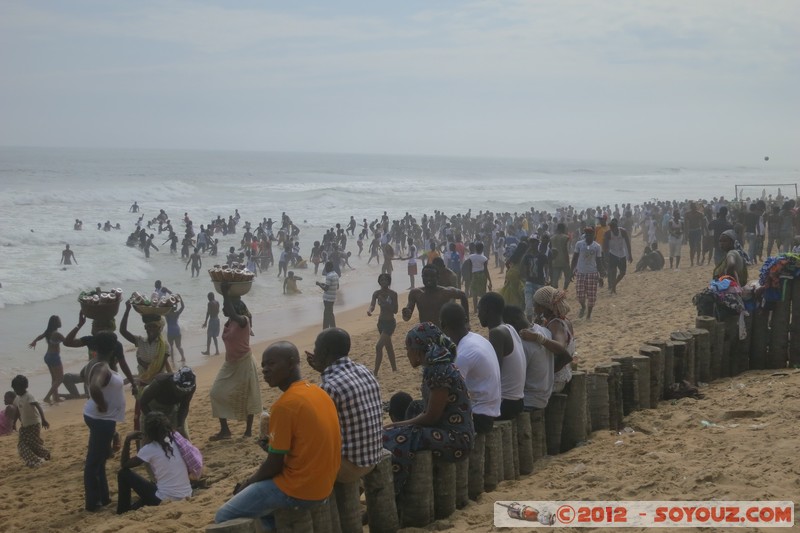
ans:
(45, 190)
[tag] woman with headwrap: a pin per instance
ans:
(734, 262)
(152, 353)
(550, 309)
(445, 424)
(235, 393)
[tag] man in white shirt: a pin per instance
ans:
(540, 363)
(587, 267)
(510, 354)
(480, 274)
(331, 287)
(478, 365)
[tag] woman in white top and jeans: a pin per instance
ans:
(105, 407)
(162, 454)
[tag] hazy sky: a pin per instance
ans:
(715, 81)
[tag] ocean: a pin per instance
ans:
(43, 191)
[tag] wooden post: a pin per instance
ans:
(462, 483)
(630, 384)
(597, 392)
(779, 330)
(538, 435)
(718, 355)
(508, 454)
(702, 351)
(325, 517)
(574, 429)
(524, 443)
(656, 372)
(554, 422)
(729, 352)
(684, 358)
(379, 492)
(679, 360)
(416, 497)
(348, 504)
(794, 348)
(759, 357)
(661, 345)
(477, 458)
(708, 323)
(642, 364)
(743, 348)
(237, 525)
(291, 520)
(444, 489)
(493, 463)
(615, 412)
(515, 448)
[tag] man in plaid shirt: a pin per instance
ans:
(357, 396)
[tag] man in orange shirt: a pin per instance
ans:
(305, 446)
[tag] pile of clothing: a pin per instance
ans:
(723, 299)
(775, 271)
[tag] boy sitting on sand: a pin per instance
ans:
(290, 284)
(8, 417)
(651, 259)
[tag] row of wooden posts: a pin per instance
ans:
(593, 401)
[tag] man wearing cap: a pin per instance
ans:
(171, 394)
(587, 268)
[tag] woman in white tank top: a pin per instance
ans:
(105, 407)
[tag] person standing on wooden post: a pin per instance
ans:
(357, 396)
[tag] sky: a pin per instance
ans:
(689, 81)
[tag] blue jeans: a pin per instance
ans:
(260, 500)
(530, 290)
(127, 481)
(101, 433)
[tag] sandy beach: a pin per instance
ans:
(670, 454)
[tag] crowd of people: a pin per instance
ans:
(335, 431)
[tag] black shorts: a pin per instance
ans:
(387, 326)
(618, 263)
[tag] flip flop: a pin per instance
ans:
(218, 437)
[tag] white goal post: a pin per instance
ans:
(739, 188)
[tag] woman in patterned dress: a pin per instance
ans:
(445, 424)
